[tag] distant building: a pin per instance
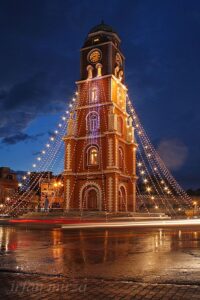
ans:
(35, 178)
(8, 184)
(52, 189)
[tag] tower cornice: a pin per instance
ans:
(101, 77)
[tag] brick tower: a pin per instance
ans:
(100, 158)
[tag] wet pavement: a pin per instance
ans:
(141, 257)
(40, 287)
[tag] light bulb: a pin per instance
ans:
(148, 189)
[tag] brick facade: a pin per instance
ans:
(100, 172)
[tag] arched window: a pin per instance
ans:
(122, 200)
(92, 121)
(99, 70)
(90, 70)
(121, 159)
(120, 124)
(92, 156)
(93, 94)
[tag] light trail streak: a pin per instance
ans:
(158, 223)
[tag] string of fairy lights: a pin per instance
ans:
(103, 97)
(83, 202)
(167, 188)
(32, 187)
(93, 140)
(52, 158)
(82, 162)
(63, 132)
(148, 189)
(152, 191)
(44, 161)
(156, 186)
(165, 181)
(80, 123)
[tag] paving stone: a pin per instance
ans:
(32, 287)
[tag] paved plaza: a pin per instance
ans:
(23, 286)
(99, 264)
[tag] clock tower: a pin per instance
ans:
(100, 150)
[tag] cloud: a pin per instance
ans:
(32, 95)
(24, 101)
(173, 152)
(21, 137)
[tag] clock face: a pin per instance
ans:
(94, 56)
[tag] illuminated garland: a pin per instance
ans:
(39, 159)
(155, 161)
(157, 179)
(79, 166)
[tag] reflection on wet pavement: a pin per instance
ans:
(144, 255)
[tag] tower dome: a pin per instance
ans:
(102, 27)
(103, 33)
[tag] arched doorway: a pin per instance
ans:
(122, 199)
(91, 198)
